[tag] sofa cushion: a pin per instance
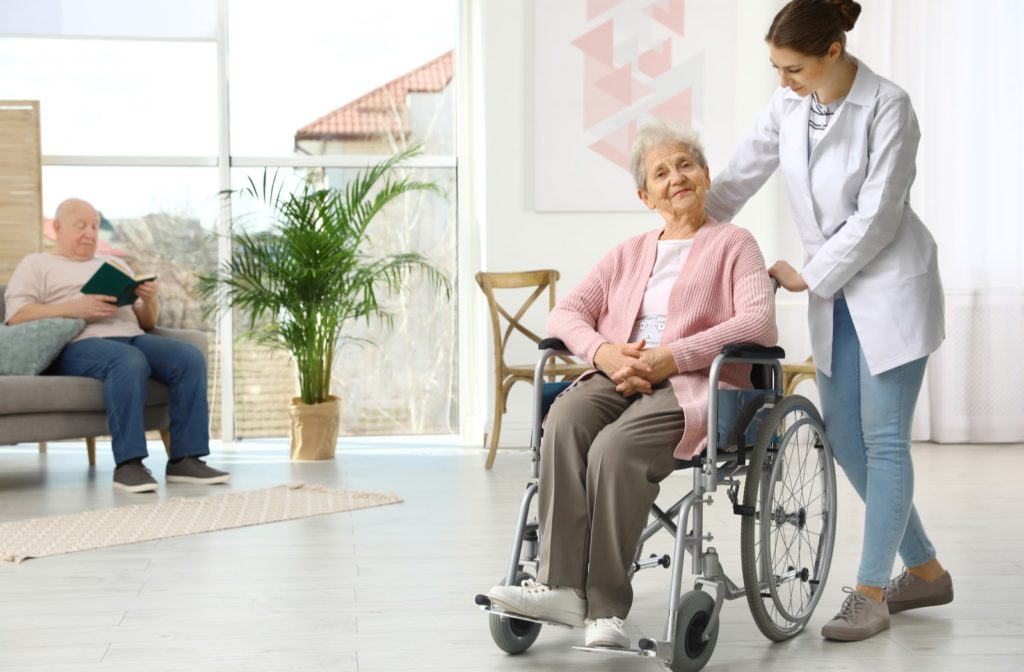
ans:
(26, 349)
(51, 394)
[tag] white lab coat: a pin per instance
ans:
(851, 205)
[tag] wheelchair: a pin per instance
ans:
(787, 512)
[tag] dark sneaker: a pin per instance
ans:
(911, 592)
(133, 476)
(859, 618)
(194, 470)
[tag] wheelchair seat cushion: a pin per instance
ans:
(550, 391)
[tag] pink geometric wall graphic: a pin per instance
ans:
(621, 85)
(657, 61)
(678, 107)
(599, 7)
(598, 104)
(603, 68)
(616, 147)
(618, 90)
(670, 13)
(598, 43)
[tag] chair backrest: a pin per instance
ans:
(3, 305)
(489, 282)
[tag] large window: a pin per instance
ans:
(150, 111)
(295, 63)
(116, 97)
(403, 378)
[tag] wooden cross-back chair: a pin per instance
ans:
(506, 375)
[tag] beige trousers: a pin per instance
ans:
(602, 457)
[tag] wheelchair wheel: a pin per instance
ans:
(788, 529)
(689, 651)
(513, 635)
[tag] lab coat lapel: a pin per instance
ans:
(862, 93)
(835, 121)
(793, 157)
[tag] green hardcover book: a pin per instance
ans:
(111, 280)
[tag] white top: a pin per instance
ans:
(650, 322)
(819, 119)
(45, 278)
(851, 204)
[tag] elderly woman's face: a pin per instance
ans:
(676, 182)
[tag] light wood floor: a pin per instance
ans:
(392, 588)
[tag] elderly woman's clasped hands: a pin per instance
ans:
(634, 369)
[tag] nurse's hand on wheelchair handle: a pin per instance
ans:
(787, 276)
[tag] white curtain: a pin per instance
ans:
(961, 65)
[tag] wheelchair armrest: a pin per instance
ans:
(552, 343)
(753, 351)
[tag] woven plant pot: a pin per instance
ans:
(314, 429)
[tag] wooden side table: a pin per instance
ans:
(794, 374)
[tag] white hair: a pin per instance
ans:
(660, 132)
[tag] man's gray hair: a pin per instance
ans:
(657, 133)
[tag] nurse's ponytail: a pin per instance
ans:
(810, 27)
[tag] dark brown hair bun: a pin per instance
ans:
(849, 9)
(810, 27)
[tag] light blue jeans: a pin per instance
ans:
(867, 421)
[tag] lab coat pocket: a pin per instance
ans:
(857, 164)
(916, 308)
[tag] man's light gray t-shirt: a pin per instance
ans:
(46, 278)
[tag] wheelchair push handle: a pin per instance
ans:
(552, 344)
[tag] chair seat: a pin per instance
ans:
(554, 369)
(48, 394)
(794, 374)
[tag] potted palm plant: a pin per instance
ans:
(305, 279)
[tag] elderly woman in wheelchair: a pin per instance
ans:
(653, 317)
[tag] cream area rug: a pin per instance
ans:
(55, 535)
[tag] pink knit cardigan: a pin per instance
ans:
(723, 295)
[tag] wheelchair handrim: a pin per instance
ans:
(821, 550)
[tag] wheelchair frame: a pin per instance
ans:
(688, 514)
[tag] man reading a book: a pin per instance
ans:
(115, 349)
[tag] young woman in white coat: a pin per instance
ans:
(846, 141)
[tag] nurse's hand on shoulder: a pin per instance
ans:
(787, 276)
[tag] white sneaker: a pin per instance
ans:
(606, 632)
(545, 603)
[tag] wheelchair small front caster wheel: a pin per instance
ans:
(690, 652)
(513, 635)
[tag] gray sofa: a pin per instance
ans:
(54, 408)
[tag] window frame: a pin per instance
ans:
(224, 161)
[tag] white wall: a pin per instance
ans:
(515, 237)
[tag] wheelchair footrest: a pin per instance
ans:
(610, 651)
(485, 604)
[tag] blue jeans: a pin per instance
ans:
(124, 366)
(867, 421)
